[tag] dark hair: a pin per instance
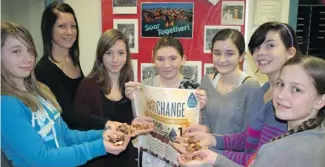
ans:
(105, 42)
(166, 41)
(49, 18)
(315, 68)
(234, 35)
(287, 35)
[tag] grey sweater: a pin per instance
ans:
(303, 149)
(227, 114)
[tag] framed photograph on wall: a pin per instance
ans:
(192, 70)
(148, 70)
(124, 6)
(129, 27)
(209, 32)
(134, 64)
(172, 19)
(232, 13)
(209, 69)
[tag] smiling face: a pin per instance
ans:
(64, 32)
(295, 96)
(115, 58)
(16, 58)
(168, 62)
(271, 55)
(226, 56)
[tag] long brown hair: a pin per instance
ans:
(105, 42)
(34, 88)
(315, 68)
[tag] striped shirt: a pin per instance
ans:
(261, 128)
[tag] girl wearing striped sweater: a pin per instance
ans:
(299, 98)
(271, 45)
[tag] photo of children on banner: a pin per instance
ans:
(173, 19)
(232, 13)
(124, 6)
(209, 69)
(129, 27)
(209, 32)
(148, 70)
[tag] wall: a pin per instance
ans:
(27, 13)
(89, 18)
(249, 64)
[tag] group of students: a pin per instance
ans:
(243, 124)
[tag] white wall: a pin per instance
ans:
(249, 65)
(89, 17)
(27, 13)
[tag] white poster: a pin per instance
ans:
(171, 110)
(267, 10)
(124, 6)
(129, 27)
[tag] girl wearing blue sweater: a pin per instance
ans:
(33, 132)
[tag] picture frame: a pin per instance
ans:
(148, 70)
(129, 27)
(192, 70)
(124, 6)
(233, 13)
(209, 33)
(134, 64)
(209, 68)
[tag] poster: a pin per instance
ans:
(266, 11)
(129, 27)
(233, 13)
(171, 109)
(172, 19)
(124, 6)
(209, 32)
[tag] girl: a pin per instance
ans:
(168, 57)
(59, 68)
(272, 44)
(33, 133)
(230, 92)
(100, 96)
(299, 98)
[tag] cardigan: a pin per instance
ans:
(92, 110)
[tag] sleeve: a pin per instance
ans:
(72, 137)
(235, 141)
(204, 119)
(252, 93)
(82, 108)
(28, 146)
(51, 78)
(222, 161)
(274, 157)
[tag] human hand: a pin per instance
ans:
(199, 158)
(130, 88)
(115, 142)
(142, 125)
(112, 125)
(195, 128)
(202, 96)
(206, 139)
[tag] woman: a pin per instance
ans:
(33, 133)
(299, 98)
(59, 68)
(100, 96)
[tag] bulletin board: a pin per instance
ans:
(205, 14)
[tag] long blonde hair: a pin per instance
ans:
(34, 89)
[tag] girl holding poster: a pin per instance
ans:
(168, 57)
